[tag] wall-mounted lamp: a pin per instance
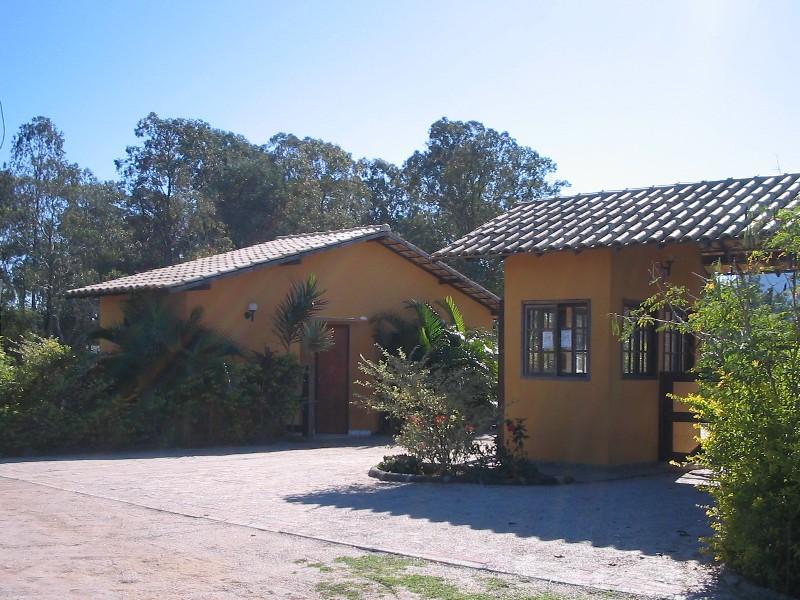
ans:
(664, 267)
(250, 313)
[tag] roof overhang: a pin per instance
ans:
(443, 272)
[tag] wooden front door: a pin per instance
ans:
(676, 435)
(332, 386)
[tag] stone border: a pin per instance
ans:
(409, 478)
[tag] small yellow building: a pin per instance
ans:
(364, 271)
(570, 264)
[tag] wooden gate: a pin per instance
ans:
(676, 431)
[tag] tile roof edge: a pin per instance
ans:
(435, 260)
(101, 289)
(381, 227)
(649, 187)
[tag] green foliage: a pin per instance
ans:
(466, 175)
(323, 184)
(187, 190)
(293, 323)
(228, 402)
(441, 412)
(452, 347)
(505, 460)
(6, 373)
(437, 382)
(748, 400)
(170, 382)
(45, 391)
(401, 463)
(154, 348)
(173, 219)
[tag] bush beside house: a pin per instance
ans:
(438, 383)
(168, 382)
(747, 329)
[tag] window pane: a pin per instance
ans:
(581, 363)
(556, 339)
(677, 347)
(638, 351)
(540, 342)
(566, 362)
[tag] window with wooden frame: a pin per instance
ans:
(677, 347)
(556, 339)
(639, 351)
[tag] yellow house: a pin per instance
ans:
(365, 271)
(571, 263)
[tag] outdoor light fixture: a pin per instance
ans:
(665, 267)
(250, 313)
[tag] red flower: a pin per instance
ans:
(440, 420)
(469, 427)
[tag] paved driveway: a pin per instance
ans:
(637, 535)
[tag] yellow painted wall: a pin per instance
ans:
(361, 280)
(567, 420)
(603, 419)
(111, 312)
(635, 402)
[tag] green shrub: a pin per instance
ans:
(229, 402)
(441, 412)
(6, 374)
(437, 385)
(47, 388)
(748, 371)
(170, 383)
(401, 463)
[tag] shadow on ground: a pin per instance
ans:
(333, 441)
(657, 516)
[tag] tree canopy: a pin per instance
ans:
(187, 190)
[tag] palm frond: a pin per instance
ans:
(456, 318)
(301, 303)
(153, 345)
(316, 337)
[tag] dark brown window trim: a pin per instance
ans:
(556, 304)
(652, 353)
(682, 348)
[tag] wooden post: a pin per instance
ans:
(311, 429)
(501, 383)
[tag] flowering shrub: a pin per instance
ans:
(441, 412)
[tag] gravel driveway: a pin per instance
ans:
(637, 535)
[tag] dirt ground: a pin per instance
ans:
(230, 523)
(56, 544)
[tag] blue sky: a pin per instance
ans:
(620, 94)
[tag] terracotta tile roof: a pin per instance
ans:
(684, 212)
(280, 250)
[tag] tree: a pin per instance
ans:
(247, 190)
(95, 243)
(467, 175)
(173, 220)
(294, 322)
(442, 392)
(43, 185)
(388, 201)
(322, 182)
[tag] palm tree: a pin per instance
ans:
(154, 347)
(294, 320)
